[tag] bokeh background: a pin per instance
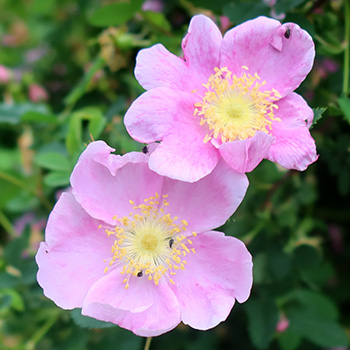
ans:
(66, 77)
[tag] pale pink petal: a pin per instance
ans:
(72, 258)
(261, 45)
(184, 156)
(218, 273)
(244, 155)
(143, 308)
(293, 147)
(205, 209)
(104, 195)
(157, 112)
(157, 67)
(201, 46)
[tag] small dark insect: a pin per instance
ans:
(171, 242)
(46, 251)
(140, 273)
(287, 33)
(145, 149)
(305, 121)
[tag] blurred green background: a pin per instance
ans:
(66, 76)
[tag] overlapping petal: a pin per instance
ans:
(159, 112)
(218, 273)
(262, 46)
(293, 147)
(104, 195)
(144, 308)
(72, 258)
(202, 208)
(245, 155)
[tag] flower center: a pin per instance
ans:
(235, 108)
(149, 242)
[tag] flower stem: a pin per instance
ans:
(148, 343)
(11, 179)
(347, 48)
(6, 224)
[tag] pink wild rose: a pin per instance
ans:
(229, 97)
(134, 248)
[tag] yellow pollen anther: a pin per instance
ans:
(235, 108)
(148, 242)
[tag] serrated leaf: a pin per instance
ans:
(321, 331)
(53, 161)
(115, 14)
(320, 304)
(88, 322)
(318, 114)
(344, 104)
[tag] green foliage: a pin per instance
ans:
(295, 224)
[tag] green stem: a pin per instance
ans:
(347, 47)
(6, 224)
(148, 343)
(39, 334)
(20, 184)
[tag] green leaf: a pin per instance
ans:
(319, 303)
(289, 340)
(241, 12)
(216, 5)
(96, 123)
(262, 321)
(317, 114)
(11, 114)
(157, 19)
(344, 104)
(57, 178)
(53, 161)
(283, 6)
(37, 117)
(81, 88)
(115, 14)
(321, 331)
(88, 322)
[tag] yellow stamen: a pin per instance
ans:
(235, 108)
(149, 242)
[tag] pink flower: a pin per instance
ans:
(134, 248)
(4, 75)
(229, 98)
(282, 324)
(37, 93)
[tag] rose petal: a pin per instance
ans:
(72, 259)
(261, 45)
(293, 147)
(157, 112)
(208, 203)
(244, 155)
(157, 67)
(184, 156)
(143, 308)
(103, 195)
(218, 273)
